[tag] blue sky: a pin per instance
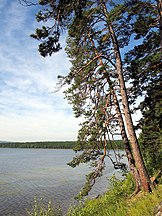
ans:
(28, 109)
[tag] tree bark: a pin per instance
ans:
(131, 161)
(127, 147)
(145, 181)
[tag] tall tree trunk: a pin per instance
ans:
(145, 181)
(131, 161)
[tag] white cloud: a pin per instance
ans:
(41, 126)
(28, 110)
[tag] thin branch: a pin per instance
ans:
(96, 57)
(27, 3)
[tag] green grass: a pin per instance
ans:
(40, 209)
(116, 202)
(144, 204)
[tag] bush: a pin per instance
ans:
(111, 203)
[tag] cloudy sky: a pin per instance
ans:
(28, 109)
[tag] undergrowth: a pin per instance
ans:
(116, 201)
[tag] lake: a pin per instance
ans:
(42, 173)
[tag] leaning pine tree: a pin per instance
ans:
(93, 83)
(128, 119)
(107, 25)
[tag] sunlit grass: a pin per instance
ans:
(145, 203)
(116, 202)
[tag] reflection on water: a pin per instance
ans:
(41, 173)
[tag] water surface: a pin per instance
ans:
(42, 173)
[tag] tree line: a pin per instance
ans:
(115, 48)
(43, 144)
(51, 145)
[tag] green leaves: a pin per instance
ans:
(151, 125)
(40, 33)
(116, 13)
(87, 156)
(50, 41)
(98, 35)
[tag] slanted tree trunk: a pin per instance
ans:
(131, 161)
(145, 181)
(128, 119)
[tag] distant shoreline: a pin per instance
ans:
(49, 144)
(40, 144)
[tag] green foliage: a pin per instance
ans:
(151, 125)
(116, 202)
(97, 33)
(61, 13)
(144, 60)
(85, 157)
(94, 144)
(90, 153)
(111, 203)
(45, 144)
(145, 205)
(144, 69)
(54, 145)
(40, 209)
(91, 178)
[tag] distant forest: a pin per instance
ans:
(51, 144)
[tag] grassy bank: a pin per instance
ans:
(115, 202)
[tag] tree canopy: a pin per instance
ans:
(101, 45)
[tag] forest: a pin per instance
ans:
(51, 145)
(43, 144)
(115, 49)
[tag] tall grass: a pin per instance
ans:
(116, 202)
(144, 204)
(40, 209)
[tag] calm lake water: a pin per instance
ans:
(42, 173)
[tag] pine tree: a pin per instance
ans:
(144, 69)
(151, 126)
(110, 26)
